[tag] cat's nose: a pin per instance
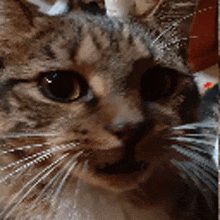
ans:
(126, 118)
(127, 131)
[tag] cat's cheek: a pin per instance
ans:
(4, 123)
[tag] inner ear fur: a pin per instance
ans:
(170, 23)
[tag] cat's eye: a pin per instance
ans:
(158, 83)
(62, 86)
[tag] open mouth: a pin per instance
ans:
(124, 166)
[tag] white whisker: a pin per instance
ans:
(178, 40)
(27, 165)
(189, 173)
(45, 153)
(207, 167)
(199, 149)
(175, 24)
(25, 148)
(206, 178)
(202, 135)
(54, 200)
(53, 181)
(192, 140)
(76, 194)
(50, 168)
(197, 125)
(182, 168)
(24, 135)
(42, 156)
(185, 4)
(65, 177)
(197, 158)
(172, 26)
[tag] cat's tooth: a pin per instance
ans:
(118, 8)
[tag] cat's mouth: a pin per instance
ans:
(116, 169)
(124, 166)
(126, 163)
(120, 176)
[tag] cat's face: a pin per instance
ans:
(101, 93)
(99, 88)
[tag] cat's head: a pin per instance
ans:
(106, 91)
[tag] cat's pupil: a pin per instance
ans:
(1, 64)
(157, 83)
(61, 86)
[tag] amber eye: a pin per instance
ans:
(158, 83)
(62, 86)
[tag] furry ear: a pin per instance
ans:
(174, 15)
(203, 48)
(16, 16)
(171, 22)
(17, 21)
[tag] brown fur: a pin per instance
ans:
(109, 121)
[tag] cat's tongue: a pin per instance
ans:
(125, 166)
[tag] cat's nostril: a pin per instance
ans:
(121, 135)
(118, 130)
(92, 103)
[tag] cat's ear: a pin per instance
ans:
(17, 18)
(171, 22)
(18, 22)
(176, 13)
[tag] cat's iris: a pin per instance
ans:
(61, 86)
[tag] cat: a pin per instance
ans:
(100, 117)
